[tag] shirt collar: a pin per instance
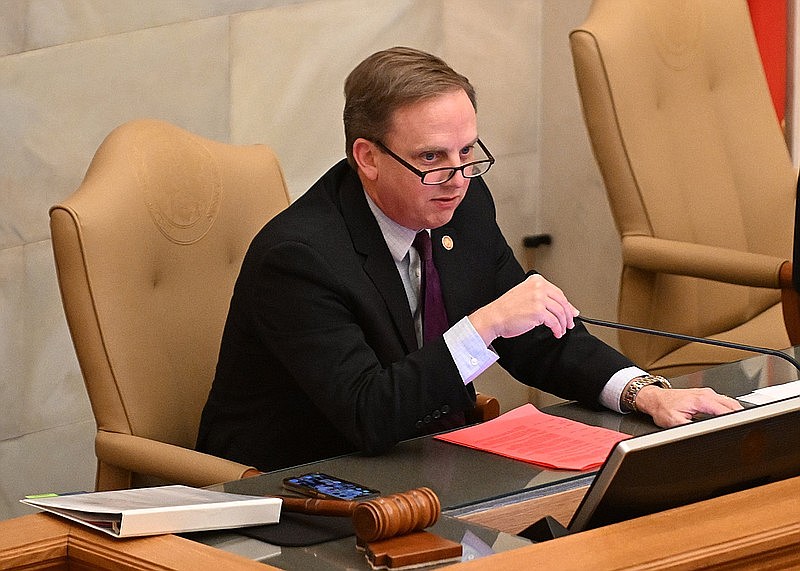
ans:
(398, 238)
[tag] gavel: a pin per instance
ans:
(379, 518)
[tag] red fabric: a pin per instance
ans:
(770, 26)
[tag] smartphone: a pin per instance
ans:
(319, 485)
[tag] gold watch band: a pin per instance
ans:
(632, 390)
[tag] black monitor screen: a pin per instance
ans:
(694, 462)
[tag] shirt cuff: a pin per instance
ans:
(469, 353)
(612, 392)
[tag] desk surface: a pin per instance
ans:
(469, 481)
(463, 477)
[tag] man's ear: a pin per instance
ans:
(364, 153)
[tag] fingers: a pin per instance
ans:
(558, 314)
(529, 304)
(672, 407)
(715, 403)
(705, 400)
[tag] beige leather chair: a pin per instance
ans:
(697, 174)
(147, 251)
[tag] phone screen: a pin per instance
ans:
(319, 485)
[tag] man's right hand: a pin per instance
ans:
(532, 303)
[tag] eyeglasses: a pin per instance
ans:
(442, 174)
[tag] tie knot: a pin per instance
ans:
(422, 243)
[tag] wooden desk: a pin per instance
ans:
(757, 528)
(42, 541)
(754, 529)
(515, 517)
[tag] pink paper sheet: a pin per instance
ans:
(530, 435)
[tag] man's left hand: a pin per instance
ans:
(671, 407)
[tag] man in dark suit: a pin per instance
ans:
(324, 351)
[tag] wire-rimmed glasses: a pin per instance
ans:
(441, 175)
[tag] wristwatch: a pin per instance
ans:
(637, 384)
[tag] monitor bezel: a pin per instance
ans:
(627, 451)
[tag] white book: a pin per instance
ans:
(160, 510)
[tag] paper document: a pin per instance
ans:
(530, 435)
(774, 393)
(162, 509)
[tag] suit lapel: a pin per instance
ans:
(455, 250)
(378, 263)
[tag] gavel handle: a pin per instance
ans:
(318, 506)
(378, 518)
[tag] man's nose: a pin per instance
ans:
(458, 178)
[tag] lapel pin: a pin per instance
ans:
(447, 242)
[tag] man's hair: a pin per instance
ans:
(388, 80)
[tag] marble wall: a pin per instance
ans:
(246, 71)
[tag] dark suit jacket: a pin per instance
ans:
(319, 356)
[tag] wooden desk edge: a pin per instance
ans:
(759, 528)
(43, 541)
(513, 518)
(755, 528)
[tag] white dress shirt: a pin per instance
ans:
(467, 348)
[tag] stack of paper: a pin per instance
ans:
(528, 434)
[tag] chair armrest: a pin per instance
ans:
(790, 303)
(166, 461)
(700, 261)
(719, 264)
(486, 408)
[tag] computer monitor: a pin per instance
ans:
(693, 462)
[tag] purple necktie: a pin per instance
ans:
(434, 318)
(434, 322)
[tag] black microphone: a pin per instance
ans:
(728, 344)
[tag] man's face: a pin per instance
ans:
(437, 132)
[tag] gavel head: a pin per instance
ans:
(396, 514)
